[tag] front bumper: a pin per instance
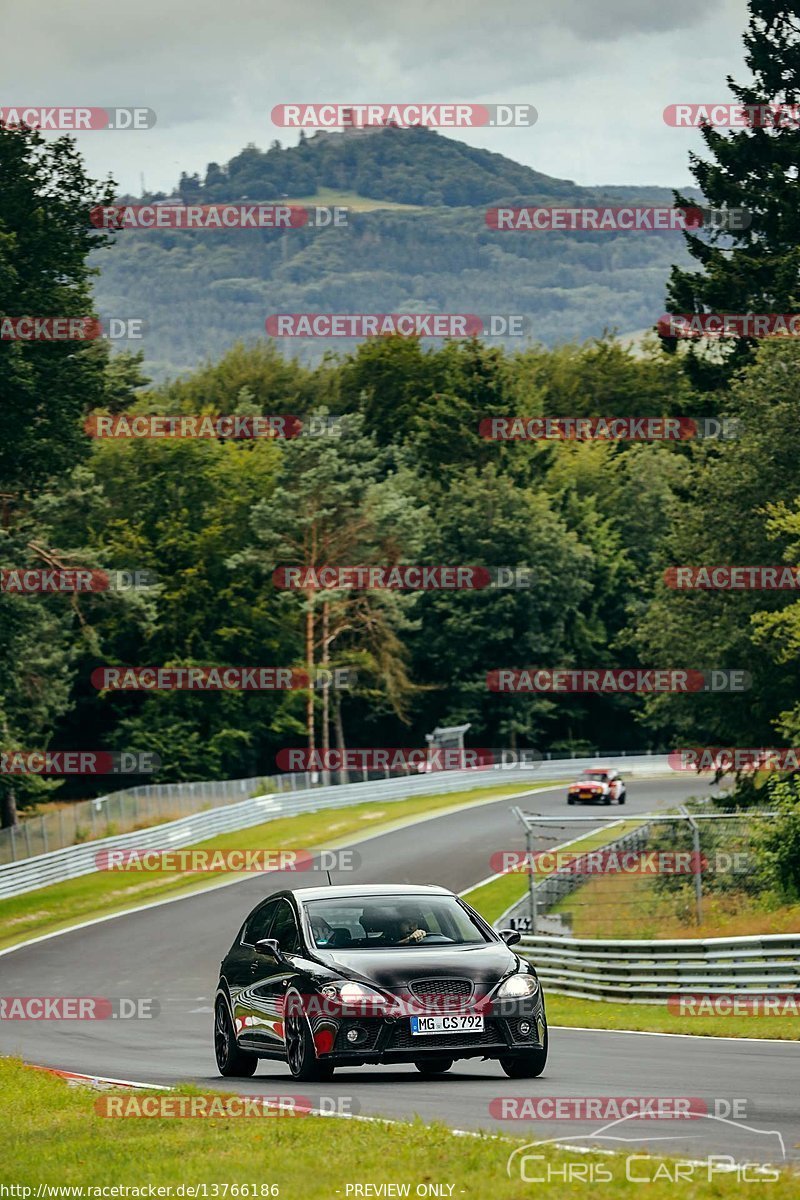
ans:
(591, 798)
(509, 1027)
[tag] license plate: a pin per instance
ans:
(455, 1024)
(586, 795)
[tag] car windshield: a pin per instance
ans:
(391, 921)
(595, 776)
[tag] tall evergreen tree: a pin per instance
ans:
(753, 168)
(45, 240)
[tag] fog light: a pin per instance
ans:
(353, 1035)
(524, 1028)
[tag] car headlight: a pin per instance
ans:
(354, 995)
(517, 986)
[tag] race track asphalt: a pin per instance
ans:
(171, 952)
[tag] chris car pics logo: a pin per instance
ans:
(757, 1150)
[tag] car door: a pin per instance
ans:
(272, 977)
(241, 969)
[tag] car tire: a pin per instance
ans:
(301, 1054)
(433, 1066)
(607, 798)
(527, 1065)
(623, 797)
(231, 1061)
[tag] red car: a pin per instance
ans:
(597, 785)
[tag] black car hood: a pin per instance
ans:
(393, 968)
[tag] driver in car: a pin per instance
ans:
(409, 930)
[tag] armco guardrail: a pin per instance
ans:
(647, 972)
(59, 865)
(43, 869)
(148, 803)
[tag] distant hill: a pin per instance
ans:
(409, 166)
(202, 291)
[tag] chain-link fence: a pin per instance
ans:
(640, 877)
(121, 812)
(133, 808)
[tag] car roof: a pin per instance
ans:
(367, 890)
(599, 770)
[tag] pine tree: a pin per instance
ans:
(755, 168)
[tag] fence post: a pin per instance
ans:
(698, 865)
(532, 899)
(698, 873)
(61, 832)
(44, 835)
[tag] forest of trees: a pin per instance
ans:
(402, 476)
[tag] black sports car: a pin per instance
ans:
(331, 976)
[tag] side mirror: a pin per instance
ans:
(270, 947)
(510, 936)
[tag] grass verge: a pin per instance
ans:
(625, 906)
(54, 1136)
(330, 197)
(653, 1018)
(63, 904)
(492, 899)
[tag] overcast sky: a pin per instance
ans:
(600, 73)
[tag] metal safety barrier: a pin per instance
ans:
(56, 866)
(648, 972)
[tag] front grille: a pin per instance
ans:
(443, 993)
(403, 1039)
